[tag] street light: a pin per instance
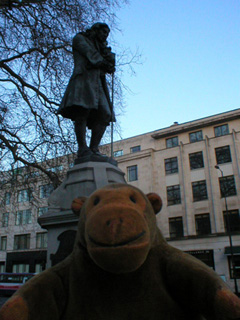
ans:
(229, 233)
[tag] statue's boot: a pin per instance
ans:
(97, 134)
(80, 131)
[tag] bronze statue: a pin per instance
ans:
(86, 100)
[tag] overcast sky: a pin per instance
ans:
(190, 53)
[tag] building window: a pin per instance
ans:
(22, 242)
(23, 217)
(234, 220)
(3, 244)
(195, 136)
(118, 153)
(7, 198)
(42, 211)
(172, 142)
(39, 267)
(203, 225)
(25, 195)
(237, 266)
(2, 267)
(176, 227)
(223, 154)
(227, 186)
(173, 195)
(20, 268)
(132, 173)
(41, 240)
(5, 217)
(199, 190)
(205, 256)
(135, 149)
(196, 160)
(46, 190)
(171, 165)
(221, 130)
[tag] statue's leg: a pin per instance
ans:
(80, 131)
(97, 134)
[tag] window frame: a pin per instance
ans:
(221, 154)
(170, 162)
(192, 160)
(135, 149)
(118, 153)
(199, 196)
(25, 238)
(222, 185)
(194, 134)
(234, 223)
(172, 142)
(200, 224)
(132, 170)
(176, 195)
(179, 222)
(221, 130)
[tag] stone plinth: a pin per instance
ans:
(81, 180)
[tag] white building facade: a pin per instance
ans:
(178, 163)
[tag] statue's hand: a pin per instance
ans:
(106, 66)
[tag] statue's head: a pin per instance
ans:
(99, 31)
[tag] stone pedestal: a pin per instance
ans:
(81, 180)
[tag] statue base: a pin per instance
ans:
(81, 180)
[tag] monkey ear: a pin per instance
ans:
(156, 201)
(77, 205)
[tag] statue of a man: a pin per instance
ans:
(86, 100)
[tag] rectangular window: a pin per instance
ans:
(24, 195)
(2, 267)
(227, 186)
(203, 225)
(118, 153)
(20, 268)
(22, 242)
(46, 190)
(199, 190)
(196, 160)
(171, 165)
(41, 240)
(195, 136)
(176, 227)
(173, 195)
(221, 130)
(236, 267)
(234, 220)
(23, 217)
(42, 211)
(7, 198)
(172, 142)
(132, 173)
(5, 217)
(135, 149)
(3, 244)
(223, 154)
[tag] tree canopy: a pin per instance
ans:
(35, 66)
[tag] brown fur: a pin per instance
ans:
(121, 268)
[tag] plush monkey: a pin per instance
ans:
(121, 268)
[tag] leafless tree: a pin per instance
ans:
(35, 64)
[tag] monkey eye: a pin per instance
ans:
(96, 201)
(133, 199)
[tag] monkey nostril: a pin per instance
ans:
(121, 220)
(108, 223)
(133, 199)
(96, 201)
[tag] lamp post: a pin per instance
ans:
(229, 233)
